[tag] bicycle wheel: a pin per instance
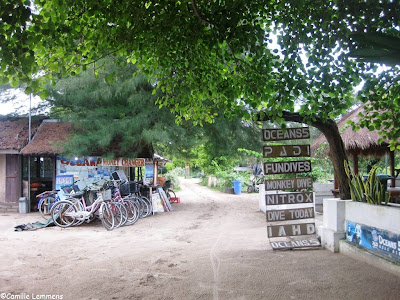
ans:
(45, 206)
(133, 211)
(168, 195)
(63, 213)
(144, 208)
(106, 216)
(124, 212)
(172, 195)
(79, 207)
(148, 209)
(120, 213)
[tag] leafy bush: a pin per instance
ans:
(370, 190)
(225, 179)
(174, 175)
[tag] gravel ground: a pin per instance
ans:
(212, 246)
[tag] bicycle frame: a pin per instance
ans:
(47, 194)
(88, 210)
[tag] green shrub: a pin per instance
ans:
(370, 190)
(174, 175)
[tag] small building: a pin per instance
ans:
(14, 136)
(31, 167)
(362, 142)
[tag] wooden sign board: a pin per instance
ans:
(291, 244)
(289, 184)
(270, 135)
(291, 230)
(287, 167)
(290, 214)
(286, 151)
(289, 198)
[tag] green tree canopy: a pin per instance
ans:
(206, 56)
(123, 110)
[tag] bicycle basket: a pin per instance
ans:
(167, 184)
(124, 189)
(133, 187)
(106, 194)
(119, 175)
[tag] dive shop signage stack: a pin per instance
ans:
(290, 214)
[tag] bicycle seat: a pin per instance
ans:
(77, 195)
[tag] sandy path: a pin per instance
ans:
(212, 246)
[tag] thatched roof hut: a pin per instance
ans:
(361, 142)
(52, 134)
(14, 133)
(49, 138)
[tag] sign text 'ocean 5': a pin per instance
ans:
(270, 135)
(302, 243)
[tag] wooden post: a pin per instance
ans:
(155, 172)
(392, 170)
(187, 170)
(355, 164)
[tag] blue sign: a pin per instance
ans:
(149, 171)
(375, 239)
(63, 180)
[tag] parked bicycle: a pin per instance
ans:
(74, 211)
(48, 198)
(46, 201)
(130, 191)
(168, 191)
(132, 207)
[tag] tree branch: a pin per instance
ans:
(197, 13)
(337, 149)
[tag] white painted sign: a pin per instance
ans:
(301, 243)
(290, 214)
(286, 151)
(270, 135)
(289, 184)
(285, 167)
(291, 230)
(289, 198)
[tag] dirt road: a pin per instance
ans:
(212, 246)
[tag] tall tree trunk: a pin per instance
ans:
(337, 151)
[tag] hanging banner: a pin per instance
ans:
(289, 184)
(98, 161)
(287, 167)
(286, 151)
(122, 162)
(374, 239)
(270, 135)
